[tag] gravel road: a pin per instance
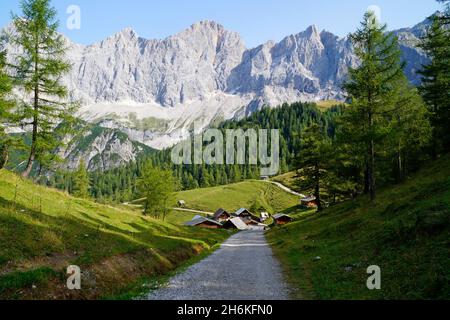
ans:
(242, 269)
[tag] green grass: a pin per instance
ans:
(252, 194)
(406, 232)
(324, 105)
(18, 279)
(46, 228)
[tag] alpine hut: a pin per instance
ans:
(203, 222)
(221, 215)
(309, 202)
(246, 216)
(282, 219)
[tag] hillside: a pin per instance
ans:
(43, 231)
(252, 194)
(406, 232)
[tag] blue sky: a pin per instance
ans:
(256, 20)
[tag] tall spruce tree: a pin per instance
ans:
(435, 87)
(6, 105)
(38, 70)
(369, 88)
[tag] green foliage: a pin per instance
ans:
(406, 232)
(81, 182)
(38, 69)
(314, 161)
(6, 105)
(435, 87)
(380, 104)
(119, 184)
(157, 187)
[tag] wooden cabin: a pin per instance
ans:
(221, 215)
(282, 219)
(246, 216)
(235, 223)
(309, 202)
(203, 222)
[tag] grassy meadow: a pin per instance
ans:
(251, 194)
(406, 232)
(44, 230)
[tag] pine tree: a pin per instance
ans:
(435, 87)
(38, 70)
(6, 104)
(369, 88)
(81, 182)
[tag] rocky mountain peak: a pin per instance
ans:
(156, 89)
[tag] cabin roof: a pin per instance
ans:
(241, 211)
(309, 199)
(238, 223)
(281, 215)
(219, 213)
(200, 220)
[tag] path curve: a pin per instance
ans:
(282, 186)
(244, 268)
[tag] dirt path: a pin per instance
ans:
(282, 186)
(242, 269)
(206, 213)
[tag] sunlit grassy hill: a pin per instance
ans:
(406, 232)
(43, 231)
(251, 194)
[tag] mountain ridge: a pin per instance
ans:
(205, 73)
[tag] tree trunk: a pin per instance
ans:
(371, 155)
(317, 192)
(366, 177)
(4, 156)
(399, 165)
(32, 156)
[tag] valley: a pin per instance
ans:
(193, 166)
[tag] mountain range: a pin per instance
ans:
(154, 90)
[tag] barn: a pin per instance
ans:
(203, 222)
(282, 219)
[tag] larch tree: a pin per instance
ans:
(435, 87)
(6, 105)
(38, 70)
(369, 88)
(81, 182)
